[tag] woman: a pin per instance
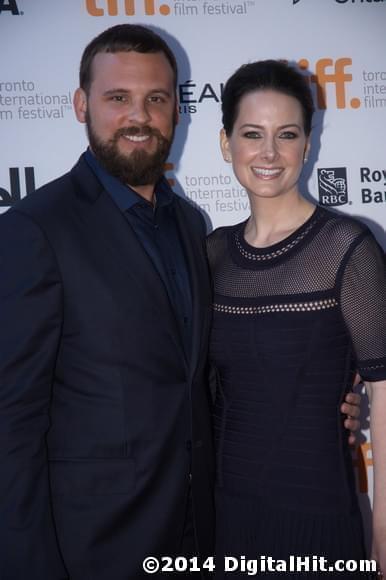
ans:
(300, 303)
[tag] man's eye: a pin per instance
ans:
(118, 98)
(156, 99)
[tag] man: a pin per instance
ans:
(106, 443)
(106, 301)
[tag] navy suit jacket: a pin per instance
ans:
(102, 417)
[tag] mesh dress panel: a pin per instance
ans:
(363, 303)
(330, 260)
(291, 324)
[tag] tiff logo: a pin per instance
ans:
(362, 461)
(334, 73)
(10, 197)
(9, 6)
(128, 7)
(332, 186)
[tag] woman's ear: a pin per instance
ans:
(225, 148)
(307, 150)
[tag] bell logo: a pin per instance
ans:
(10, 197)
(9, 6)
(128, 7)
(329, 72)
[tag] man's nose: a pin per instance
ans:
(138, 112)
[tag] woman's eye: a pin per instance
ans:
(252, 135)
(288, 135)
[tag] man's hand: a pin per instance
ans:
(352, 408)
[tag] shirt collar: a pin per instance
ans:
(123, 195)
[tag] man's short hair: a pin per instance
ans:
(123, 38)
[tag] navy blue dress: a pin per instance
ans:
(291, 324)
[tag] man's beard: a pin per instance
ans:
(138, 167)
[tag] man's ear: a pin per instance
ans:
(224, 144)
(80, 105)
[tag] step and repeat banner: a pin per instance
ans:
(340, 45)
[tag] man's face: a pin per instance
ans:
(130, 112)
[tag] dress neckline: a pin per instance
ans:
(250, 256)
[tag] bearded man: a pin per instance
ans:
(106, 443)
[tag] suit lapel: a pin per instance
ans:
(121, 246)
(199, 279)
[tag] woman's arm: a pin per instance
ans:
(377, 396)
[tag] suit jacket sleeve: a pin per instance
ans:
(30, 327)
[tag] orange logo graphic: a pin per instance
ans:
(128, 7)
(334, 73)
(363, 459)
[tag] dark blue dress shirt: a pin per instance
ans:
(157, 230)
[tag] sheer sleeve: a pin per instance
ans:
(363, 302)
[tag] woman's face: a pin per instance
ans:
(268, 144)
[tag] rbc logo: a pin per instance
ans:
(128, 7)
(9, 6)
(10, 197)
(333, 186)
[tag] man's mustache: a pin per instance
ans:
(143, 131)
